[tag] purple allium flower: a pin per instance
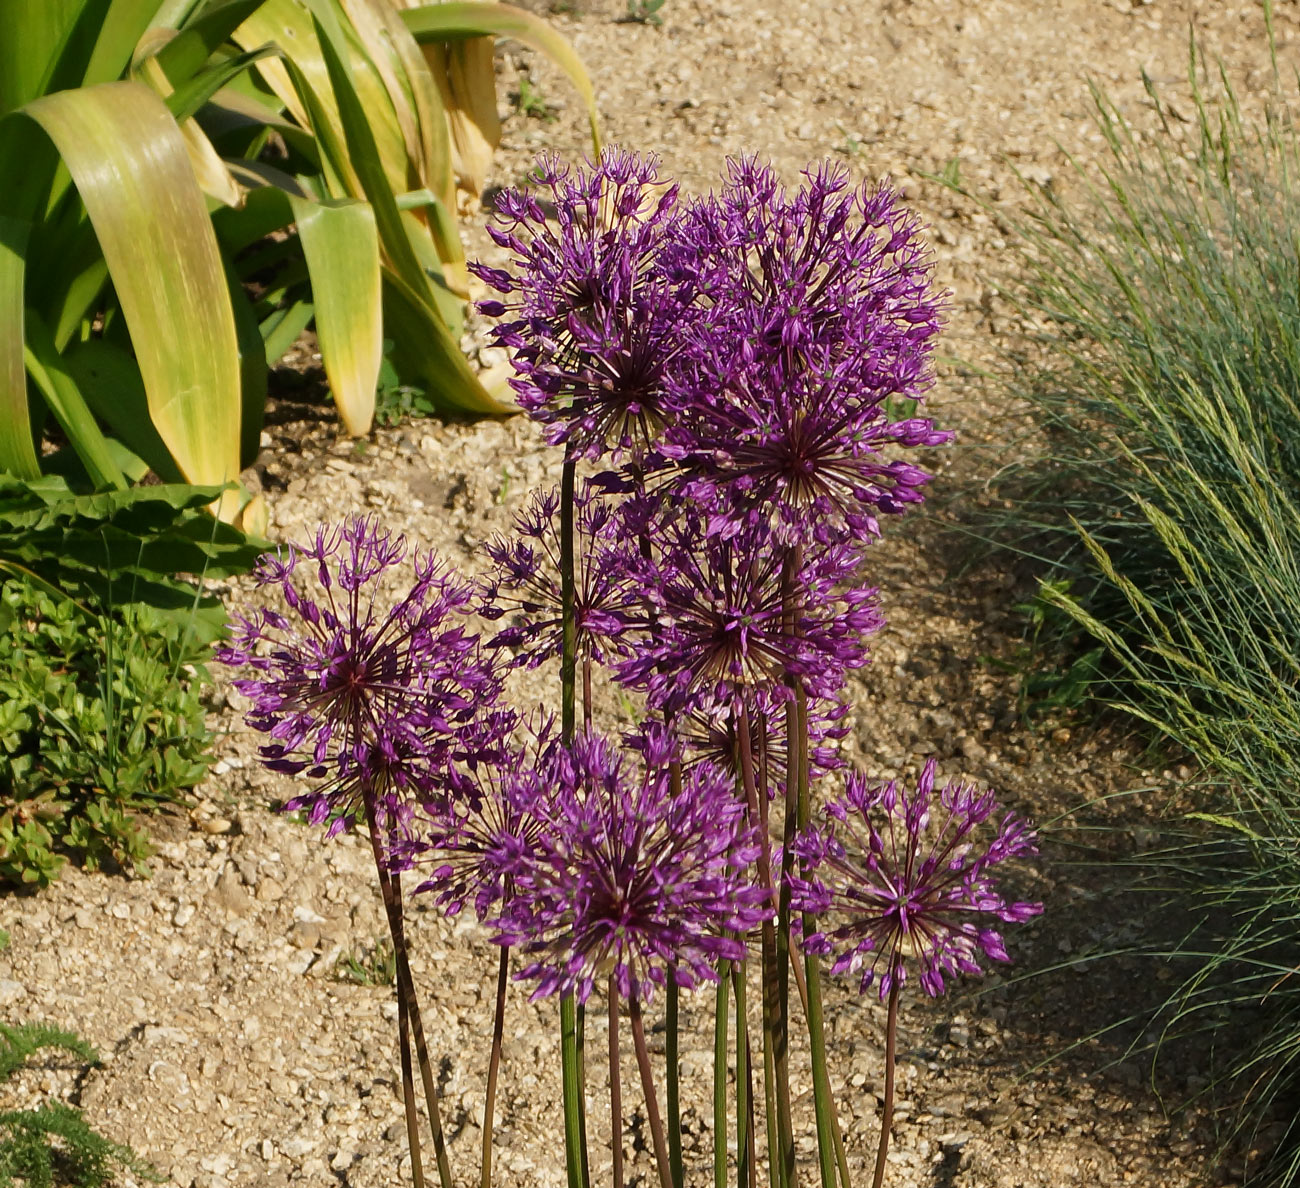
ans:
(591, 328)
(472, 837)
(810, 310)
(526, 578)
(630, 877)
(373, 702)
(721, 617)
(710, 733)
(906, 891)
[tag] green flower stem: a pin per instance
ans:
(615, 1086)
(841, 1159)
(746, 1167)
(575, 1136)
(674, 1098)
(887, 1113)
(826, 1124)
(672, 1040)
(568, 654)
(494, 1065)
(776, 1081)
(651, 1098)
(574, 1147)
(720, 1079)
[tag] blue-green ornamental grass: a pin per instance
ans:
(1165, 508)
(721, 372)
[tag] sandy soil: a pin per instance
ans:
(234, 1054)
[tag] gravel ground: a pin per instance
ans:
(234, 1054)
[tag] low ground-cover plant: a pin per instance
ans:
(52, 1144)
(1165, 509)
(717, 373)
(100, 718)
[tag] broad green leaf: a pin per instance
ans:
(364, 153)
(38, 37)
(424, 349)
(280, 331)
(129, 161)
(61, 393)
(252, 369)
(431, 153)
(125, 22)
(458, 20)
(201, 35)
(110, 381)
(17, 451)
(341, 245)
(214, 179)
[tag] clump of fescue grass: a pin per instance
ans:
(1164, 510)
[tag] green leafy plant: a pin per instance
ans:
(1163, 510)
(98, 721)
(375, 966)
(645, 12)
(122, 546)
(530, 102)
(54, 1140)
(395, 401)
(325, 139)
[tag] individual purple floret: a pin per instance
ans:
(906, 891)
(724, 622)
(812, 308)
(630, 877)
(590, 328)
(526, 578)
(373, 702)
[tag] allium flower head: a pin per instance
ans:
(470, 839)
(374, 702)
(908, 881)
(590, 327)
(526, 578)
(811, 308)
(630, 877)
(721, 623)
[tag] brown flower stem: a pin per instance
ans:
(671, 1060)
(408, 1014)
(586, 692)
(615, 1087)
(648, 1089)
(404, 978)
(494, 1065)
(887, 1113)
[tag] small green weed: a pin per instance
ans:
(395, 401)
(530, 103)
(99, 716)
(53, 1144)
(645, 12)
(375, 966)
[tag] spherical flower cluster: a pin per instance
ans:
(524, 582)
(590, 325)
(375, 703)
(631, 876)
(907, 883)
